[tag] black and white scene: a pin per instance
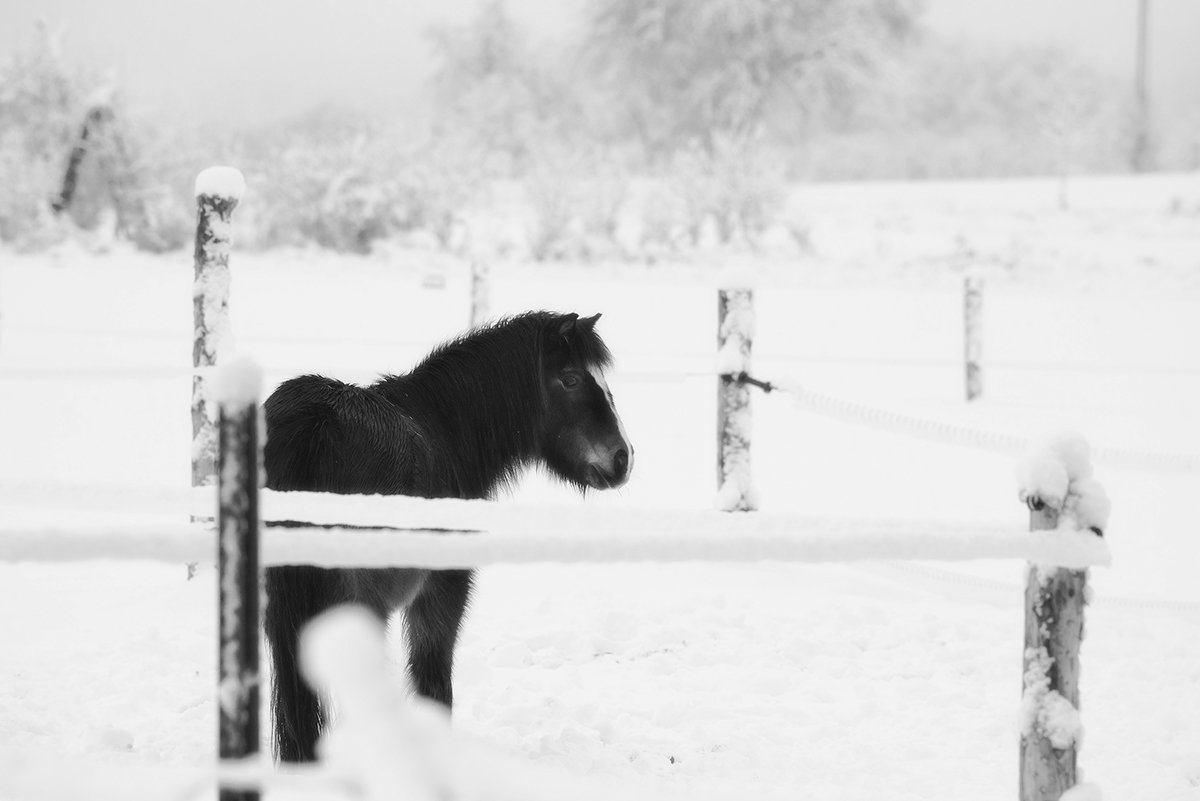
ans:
(599, 400)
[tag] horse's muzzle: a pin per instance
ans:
(611, 472)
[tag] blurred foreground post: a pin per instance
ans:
(1054, 601)
(973, 334)
(237, 392)
(218, 190)
(735, 337)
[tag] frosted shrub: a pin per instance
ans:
(737, 185)
(550, 191)
(440, 179)
(576, 200)
(168, 220)
(324, 194)
(163, 163)
(343, 184)
(25, 218)
(663, 229)
(950, 110)
(311, 182)
(603, 196)
(39, 104)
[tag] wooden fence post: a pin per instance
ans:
(735, 337)
(480, 291)
(218, 190)
(237, 389)
(973, 334)
(1054, 601)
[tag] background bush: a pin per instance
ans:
(710, 107)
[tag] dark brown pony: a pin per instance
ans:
(526, 391)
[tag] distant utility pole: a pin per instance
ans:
(1141, 142)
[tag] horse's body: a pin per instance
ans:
(528, 390)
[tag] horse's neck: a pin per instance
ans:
(481, 425)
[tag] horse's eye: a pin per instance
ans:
(570, 380)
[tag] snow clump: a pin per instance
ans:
(386, 745)
(224, 182)
(112, 738)
(237, 384)
(1058, 472)
(1083, 792)
(1044, 710)
(732, 358)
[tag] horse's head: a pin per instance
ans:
(582, 440)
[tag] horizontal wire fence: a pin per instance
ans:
(810, 400)
(954, 434)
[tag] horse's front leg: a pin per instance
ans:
(432, 621)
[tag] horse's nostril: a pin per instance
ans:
(621, 462)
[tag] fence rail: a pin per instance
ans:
(530, 536)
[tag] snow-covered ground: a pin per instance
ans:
(845, 681)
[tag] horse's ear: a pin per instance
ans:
(567, 326)
(587, 324)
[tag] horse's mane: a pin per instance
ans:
(482, 392)
(526, 333)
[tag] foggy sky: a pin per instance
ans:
(252, 61)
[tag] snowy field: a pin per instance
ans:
(855, 682)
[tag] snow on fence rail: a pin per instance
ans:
(527, 535)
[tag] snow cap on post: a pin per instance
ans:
(1057, 473)
(237, 384)
(223, 182)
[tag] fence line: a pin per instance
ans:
(707, 537)
(450, 536)
(953, 434)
